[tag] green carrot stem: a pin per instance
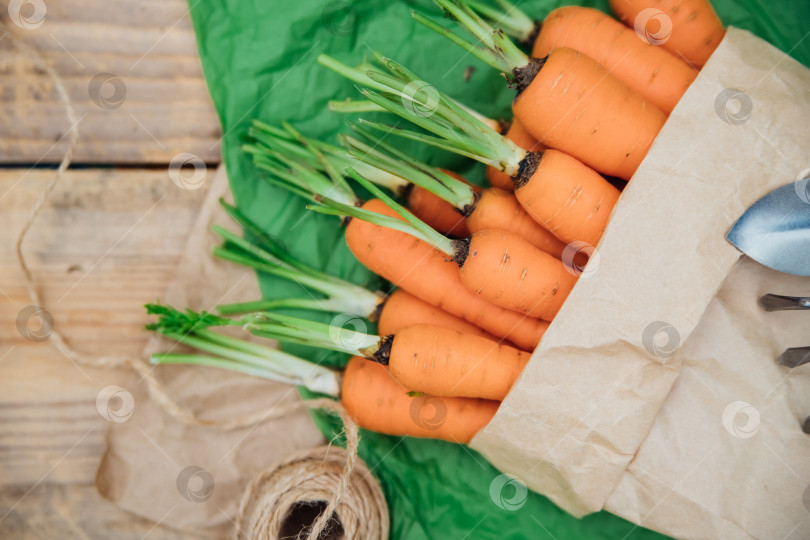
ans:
(385, 156)
(305, 332)
(495, 48)
(509, 18)
(413, 226)
(313, 304)
(326, 287)
(353, 106)
(353, 74)
(262, 242)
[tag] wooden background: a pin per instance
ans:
(108, 239)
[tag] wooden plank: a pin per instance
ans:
(72, 512)
(107, 241)
(133, 73)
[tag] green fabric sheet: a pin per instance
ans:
(259, 62)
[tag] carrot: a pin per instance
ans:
(509, 272)
(575, 105)
(402, 309)
(655, 74)
(570, 198)
(445, 362)
(689, 29)
(658, 76)
(366, 389)
(379, 403)
(265, 254)
(566, 200)
(424, 358)
(517, 134)
(426, 273)
(491, 208)
(567, 100)
(499, 209)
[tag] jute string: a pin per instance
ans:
(364, 503)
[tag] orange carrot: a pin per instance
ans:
(505, 269)
(426, 273)
(499, 209)
(655, 74)
(499, 266)
(689, 29)
(573, 104)
(517, 134)
(568, 197)
(402, 309)
(379, 403)
(446, 362)
(491, 209)
(367, 390)
(567, 100)
(548, 224)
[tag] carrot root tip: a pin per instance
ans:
(532, 37)
(526, 169)
(383, 353)
(469, 208)
(461, 249)
(523, 76)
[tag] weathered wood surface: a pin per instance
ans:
(107, 240)
(131, 70)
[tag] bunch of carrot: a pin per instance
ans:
(478, 273)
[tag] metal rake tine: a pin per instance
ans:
(794, 357)
(775, 302)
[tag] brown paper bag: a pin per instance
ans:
(191, 477)
(655, 393)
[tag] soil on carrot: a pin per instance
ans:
(383, 354)
(526, 169)
(523, 76)
(468, 208)
(529, 41)
(461, 248)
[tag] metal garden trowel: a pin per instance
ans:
(775, 230)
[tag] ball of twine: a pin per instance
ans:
(311, 478)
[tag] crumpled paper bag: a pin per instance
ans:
(655, 393)
(191, 477)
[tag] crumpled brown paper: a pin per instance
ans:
(192, 477)
(655, 393)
